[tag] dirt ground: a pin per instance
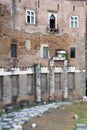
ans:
(56, 119)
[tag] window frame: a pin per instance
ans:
(41, 51)
(73, 23)
(31, 16)
(45, 52)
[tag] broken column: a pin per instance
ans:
(38, 82)
(65, 80)
(52, 80)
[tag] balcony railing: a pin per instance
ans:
(55, 30)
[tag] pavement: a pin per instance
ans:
(18, 118)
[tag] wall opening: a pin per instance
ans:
(45, 52)
(72, 52)
(13, 51)
(52, 22)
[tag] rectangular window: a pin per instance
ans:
(45, 52)
(30, 16)
(74, 22)
(13, 51)
(72, 52)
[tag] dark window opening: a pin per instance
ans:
(72, 53)
(13, 51)
(28, 19)
(52, 22)
(45, 52)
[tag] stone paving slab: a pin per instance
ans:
(81, 129)
(24, 115)
(81, 125)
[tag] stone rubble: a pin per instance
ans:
(20, 117)
(76, 117)
(34, 125)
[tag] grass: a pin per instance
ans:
(5, 129)
(80, 110)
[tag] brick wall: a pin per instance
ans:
(30, 38)
(28, 45)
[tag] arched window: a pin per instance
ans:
(52, 22)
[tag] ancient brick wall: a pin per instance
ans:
(29, 45)
(63, 10)
(29, 40)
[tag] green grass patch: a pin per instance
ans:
(5, 129)
(81, 111)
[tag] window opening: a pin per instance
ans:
(74, 22)
(45, 52)
(30, 17)
(13, 51)
(72, 52)
(52, 22)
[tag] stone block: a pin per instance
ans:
(81, 129)
(81, 125)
